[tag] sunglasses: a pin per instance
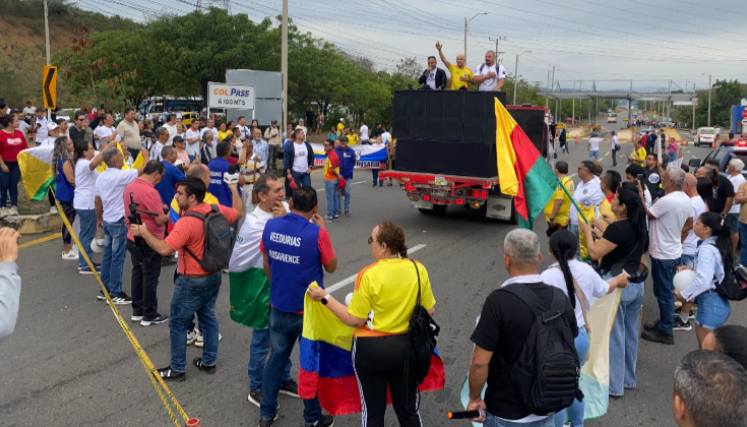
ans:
(371, 240)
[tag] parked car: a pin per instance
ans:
(723, 155)
(705, 135)
(188, 117)
(66, 113)
(570, 120)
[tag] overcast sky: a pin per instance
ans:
(649, 41)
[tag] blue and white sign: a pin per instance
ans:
(230, 96)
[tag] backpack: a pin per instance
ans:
(217, 243)
(423, 336)
(734, 285)
(546, 373)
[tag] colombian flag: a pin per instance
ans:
(326, 362)
(523, 172)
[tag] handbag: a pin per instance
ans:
(423, 331)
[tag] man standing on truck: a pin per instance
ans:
(460, 73)
(433, 78)
(489, 75)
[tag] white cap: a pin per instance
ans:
(342, 119)
(52, 126)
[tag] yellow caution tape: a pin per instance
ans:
(153, 375)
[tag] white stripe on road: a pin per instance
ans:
(355, 183)
(341, 284)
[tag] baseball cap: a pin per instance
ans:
(300, 120)
(178, 138)
(52, 126)
(342, 119)
(274, 122)
(343, 138)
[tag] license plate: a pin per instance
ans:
(440, 181)
(440, 193)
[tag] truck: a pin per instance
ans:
(432, 192)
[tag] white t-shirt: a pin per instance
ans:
(172, 133)
(671, 212)
(364, 134)
(589, 194)
(110, 187)
(245, 132)
(386, 136)
(491, 83)
(85, 185)
(690, 245)
(592, 286)
(736, 181)
(29, 111)
(105, 132)
(48, 141)
(614, 142)
(193, 148)
(41, 133)
(430, 79)
(300, 163)
(594, 142)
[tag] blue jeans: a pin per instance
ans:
(713, 310)
(662, 273)
(87, 233)
(494, 421)
(375, 173)
(285, 330)
(115, 253)
(687, 260)
(301, 178)
(194, 296)
(258, 351)
(347, 191)
(743, 243)
(624, 338)
(333, 198)
(576, 410)
(9, 183)
(672, 157)
(594, 154)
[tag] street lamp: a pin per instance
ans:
(709, 98)
(284, 63)
(516, 74)
(466, 21)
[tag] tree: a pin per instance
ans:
(410, 68)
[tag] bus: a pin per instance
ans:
(160, 104)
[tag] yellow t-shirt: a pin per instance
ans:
(456, 74)
(605, 208)
(353, 139)
(564, 212)
(327, 166)
(340, 127)
(639, 156)
(224, 135)
(385, 293)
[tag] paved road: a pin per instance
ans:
(69, 361)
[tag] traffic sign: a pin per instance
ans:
(50, 87)
(744, 113)
(744, 123)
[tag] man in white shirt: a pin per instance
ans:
(106, 130)
(301, 125)
(689, 244)
(613, 148)
(489, 75)
(669, 219)
(170, 126)
(54, 132)
(110, 212)
(245, 131)
(593, 146)
(364, 133)
(386, 136)
(29, 110)
(41, 127)
(732, 218)
(211, 128)
(193, 138)
(718, 132)
(162, 137)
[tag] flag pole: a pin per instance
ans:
(573, 201)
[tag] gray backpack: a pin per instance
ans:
(217, 250)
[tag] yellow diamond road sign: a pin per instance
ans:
(49, 86)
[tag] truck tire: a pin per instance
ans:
(437, 210)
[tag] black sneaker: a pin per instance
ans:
(168, 374)
(336, 217)
(121, 299)
(678, 310)
(289, 388)
(153, 321)
(136, 317)
(324, 421)
(255, 398)
(267, 423)
(679, 325)
(101, 296)
(651, 326)
(658, 336)
(197, 361)
(347, 213)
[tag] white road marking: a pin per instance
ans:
(355, 183)
(341, 284)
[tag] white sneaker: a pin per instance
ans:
(53, 209)
(72, 255)
(192, 336)
(13, 210)
(4, 212)
(199, 342)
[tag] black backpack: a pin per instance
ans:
(423, 336)
(217, 251)
(734, 285)
(547, 372)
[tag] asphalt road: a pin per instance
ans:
(68, 362)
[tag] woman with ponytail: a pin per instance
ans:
(64, 175)
(583, 286)
(380, 309)
(713, 257)
(623, 240)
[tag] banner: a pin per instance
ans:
(367, 156)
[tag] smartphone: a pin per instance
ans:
(642, 180)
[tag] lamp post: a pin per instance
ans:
(284, 63)
(709, 98)
(516, 74)
(466, 21)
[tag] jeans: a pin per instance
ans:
(494, 421)
(87, 232)
(333, 198)
(348, 190)
(301, 178)
(662, 273)
(9, 182)
(713, 310)
(133, 152)
(258, 351)
(69, 211)
(576, 410)
(194, 296)
(564, 147)
(672, 157)
(743, 243)
(115, 245)
(375, 173)
(613, 152)
(146, 267)
(594, 154)
(285, 330)
(687, 260)
(272, 157)
(624, 338)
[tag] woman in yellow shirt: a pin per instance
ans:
(224, 132)
(382, 304)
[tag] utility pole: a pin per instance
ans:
(496, 40)
(547, 100)
(547, 90)
(573, 108)
(516, 73)
(709, 100)
(284, 62)
(466, 21)
(695, 94)
(46, 31)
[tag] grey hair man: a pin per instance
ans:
(710, 390)
(670, 218)
(162, 140)
(505, 322)
(735, 168)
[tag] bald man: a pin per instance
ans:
(461, 75)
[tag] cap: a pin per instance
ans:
(274, 122)
(52, 126)
(343, 138)
(342, 119)
(300, 120)
(178, 138)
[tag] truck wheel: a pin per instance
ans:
(437, 210)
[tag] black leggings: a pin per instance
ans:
(379, 362)
(67, 208)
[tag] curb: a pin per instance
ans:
(32, 224)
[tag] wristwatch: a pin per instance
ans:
(325, 299)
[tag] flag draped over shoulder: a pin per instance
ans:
(250, 289)
(522, 171)
(326, 362)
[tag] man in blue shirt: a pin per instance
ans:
(294, 247)
(219, 167)
(347, 164)
(167, 187)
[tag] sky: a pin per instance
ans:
(607, 42)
